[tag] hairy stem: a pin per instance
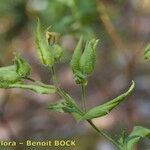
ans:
(83, 97)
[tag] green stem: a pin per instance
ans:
(103, 134)
(83, 97)
(53, 72)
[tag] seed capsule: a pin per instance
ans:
(22, 67)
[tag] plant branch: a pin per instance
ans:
(83, 97)
(65, 96)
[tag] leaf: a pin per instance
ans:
(88, 58)
(47, 89)
(65, 107)
(8, 76)
(147, 52)
(137, 133)
(44, 52)
(105, 108)
(75, 61)
(22, 67)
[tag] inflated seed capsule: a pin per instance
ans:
(8, 76)
(45, 55)
(53, 39)
(88, 58)
(75, 61)
(22, 67)
(57, 52)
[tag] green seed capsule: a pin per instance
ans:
(8, 76)
(88, 58)
(57, 52)
(22, 67)
(75, 61)
(44, 52)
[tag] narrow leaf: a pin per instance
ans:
(35, 88)
(137, 133)
(108, 106)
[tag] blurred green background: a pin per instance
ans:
(123, 27)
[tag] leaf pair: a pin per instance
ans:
(65, 107)
(82, 64)
(128, 142)
(98, 111)
(48, 51)
(105, 108)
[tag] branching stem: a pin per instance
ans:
(61, 93)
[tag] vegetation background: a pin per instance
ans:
(123, 27)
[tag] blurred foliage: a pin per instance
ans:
(73, 18)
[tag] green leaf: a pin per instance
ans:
(147, 52)
(137, 133)
(44, 51)
(8, 76)
(40, 89)
(75, 61)
(88, 58)
(105, 108)
(22, 67)
(65, 107)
